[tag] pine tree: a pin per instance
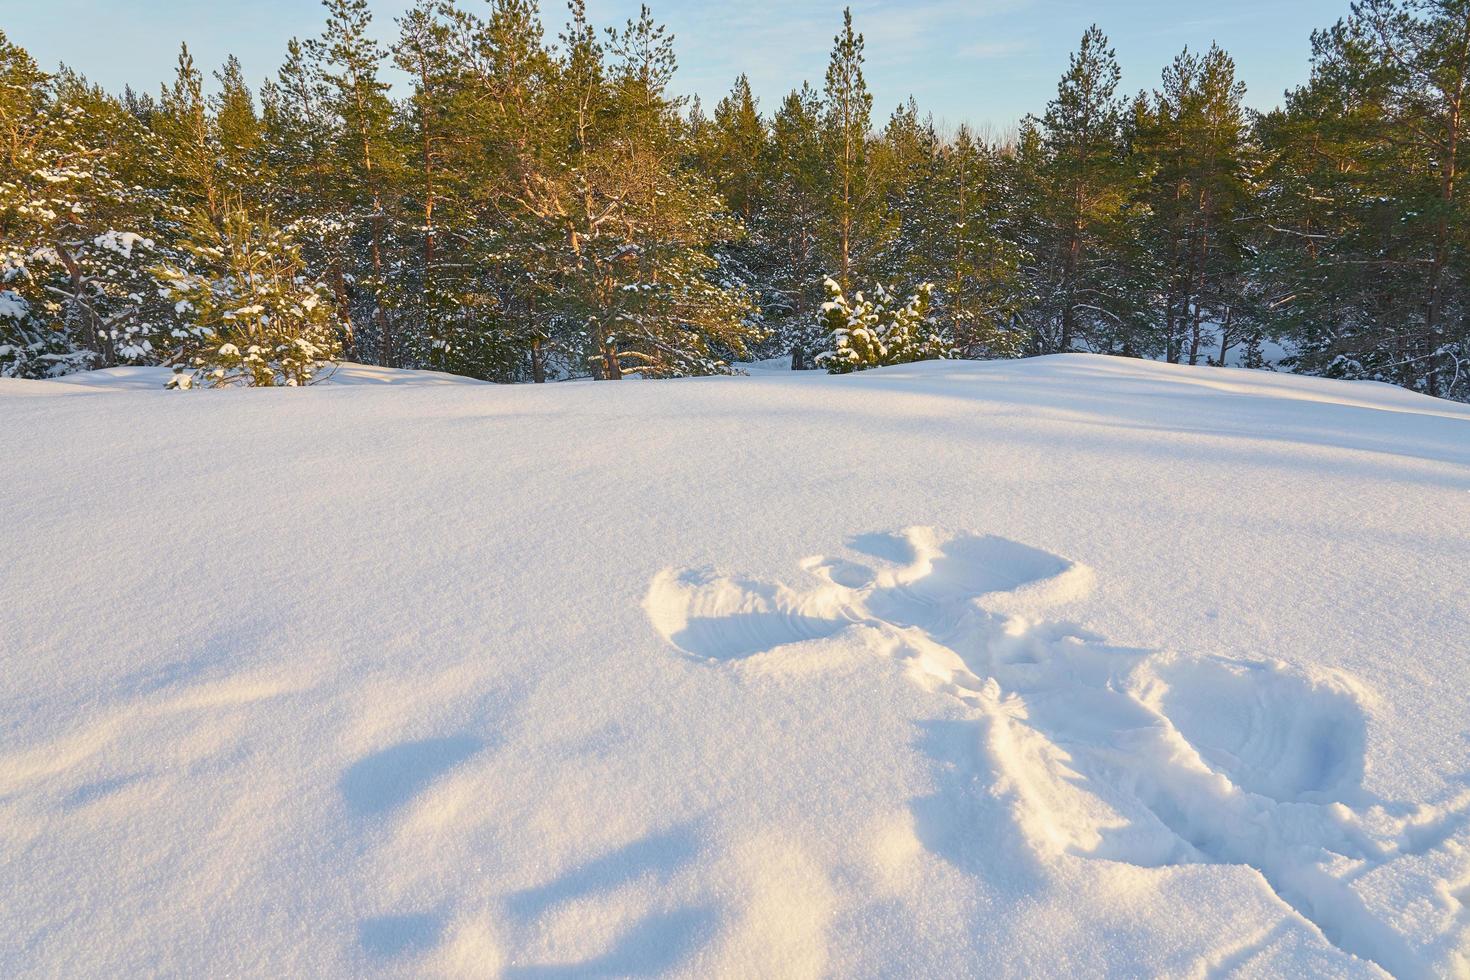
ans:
(1424, 47)
(364, 157)
(254, 317)
(299, 137)
(25, 125)
(867, 333)
(241, 141)
(187, 128)
(797, 181)
(905, 164)
(623, 233)
(1081, 207)
(740, 136)
(78, 213)
(980, 269)
(849, 107)
(1194, 139)
(1363, 261)
(523, 210)
(425, 290)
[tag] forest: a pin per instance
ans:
(538, 204)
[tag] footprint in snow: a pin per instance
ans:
(1116, 753)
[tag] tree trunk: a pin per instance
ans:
(1194, 333)
(344, 310)
(426, 90)
(380, 317)
(1225, 344)
(1070, 267)
(538, 366)
(79, 306)
(1447, 198)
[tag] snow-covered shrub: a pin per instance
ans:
(866, 333)
(254, 317)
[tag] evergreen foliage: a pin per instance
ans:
(531, 207)
(867, 333)
(252, 315)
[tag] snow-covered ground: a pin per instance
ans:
(1063, 666)
(154, 378)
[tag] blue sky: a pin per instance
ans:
(987, 62)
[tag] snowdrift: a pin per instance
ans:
(1065, 666)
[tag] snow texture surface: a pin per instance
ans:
(1059, 667)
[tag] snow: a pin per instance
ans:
(154, 378)
(1273, 353)
(12, 305)
(1064, 666)
(121, 242)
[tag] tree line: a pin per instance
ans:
(532, 208)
